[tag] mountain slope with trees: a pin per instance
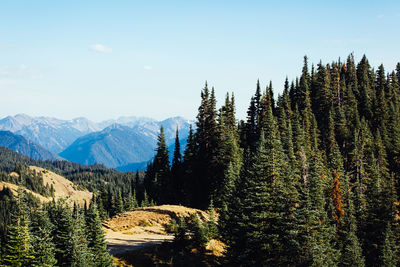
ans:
(124, 147)
(20, 144)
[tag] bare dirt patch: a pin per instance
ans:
(143, 227)
(120, 242)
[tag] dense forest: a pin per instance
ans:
(57, 234)
(310, 178)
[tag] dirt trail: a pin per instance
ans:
(119, 242)
(143, 226)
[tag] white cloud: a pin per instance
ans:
(148, 67)
(100, 48)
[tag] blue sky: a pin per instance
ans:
(105, 59)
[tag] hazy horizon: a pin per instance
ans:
(95, 121)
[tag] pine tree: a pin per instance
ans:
(135, 203)
(199, 236)
(389, 254)
(128, 202)
(304, 87)
(229, 153)
(61, 216)
(42, 239)
(117, 203)
(208, 172)
(352, 254)
(162, 170)
(188, 168)
(252, 129)
(320, 233)
(211, 224)
(18, 249)
(145, 202)
(261, 222)
(176, 173)
(366, 97)
(96, 238)
(81, 256)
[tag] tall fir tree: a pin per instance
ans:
(18, 249)
(42, 239)
(177, 181)
(96, 238)
(161, 165)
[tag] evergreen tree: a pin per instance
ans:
(96, 238)
(304, 87)
(389, 256)
(176, 173)
(366, 97)
(81, 256)
(323, 96)
(117, 203)
(61, 217)
(352, 254)
(208, 172)
(18, 249)
(162, 170)
(42, 239)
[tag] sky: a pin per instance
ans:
(105, 59)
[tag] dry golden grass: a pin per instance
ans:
(14, 189)
(63, 187)
(151, 216)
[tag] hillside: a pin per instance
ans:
(22, 145)
(63, 188)
(157, 216)
(14, 189)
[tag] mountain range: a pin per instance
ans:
(53, 134)
(20, 144)
(126, 143)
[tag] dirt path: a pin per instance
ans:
(119, 242)
(142, 227)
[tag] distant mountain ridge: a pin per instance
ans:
(56, 134)
(21, 145)
(114, 146)
(125, 148)
(126, 141)
(51, 133)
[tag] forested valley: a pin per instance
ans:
(309, 178)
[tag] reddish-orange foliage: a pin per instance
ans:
(337, 199)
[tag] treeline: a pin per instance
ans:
(117, 191)
(30, 179)
(54, 234)
(310, 178)
(51, 234)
